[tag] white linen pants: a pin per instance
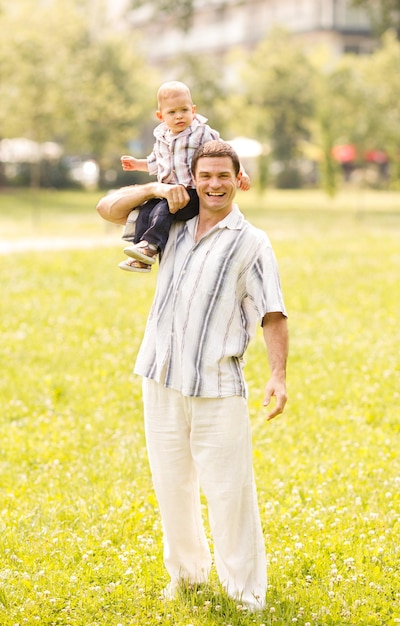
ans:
(206, 442)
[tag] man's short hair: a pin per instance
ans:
(215, 148)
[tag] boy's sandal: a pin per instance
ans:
(133, 265)
(143, 252)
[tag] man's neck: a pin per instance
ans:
(207, 221)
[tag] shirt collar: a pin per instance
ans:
(233, 221)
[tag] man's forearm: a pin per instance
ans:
(276, 338)
(116, 206)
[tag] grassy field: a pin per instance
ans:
(80, 535)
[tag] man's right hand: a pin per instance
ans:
(176, 196)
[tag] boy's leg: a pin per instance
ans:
(161, 219)
(128, 234)
(138, 221)
(144, 218)
(191, 209)
(159, 224)
(153, 225)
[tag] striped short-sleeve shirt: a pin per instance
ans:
(172, 154)
(209, 297)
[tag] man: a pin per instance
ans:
(217, 276)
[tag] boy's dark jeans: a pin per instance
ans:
(154, 219)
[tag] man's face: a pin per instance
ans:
(216, 184)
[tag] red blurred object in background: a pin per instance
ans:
(345, 153)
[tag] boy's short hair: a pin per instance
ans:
(171, 88)
(215, 148)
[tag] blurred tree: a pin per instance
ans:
(358, 105)
(381, 75)
(108, 97)
(181, 10)
(279, 101)
(384, 14)
(339, 113)
(32, 59)
(206, 87)
(64, 80)
(323, 136)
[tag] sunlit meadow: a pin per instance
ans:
(80, 533)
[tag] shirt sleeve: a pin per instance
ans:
(210, 134)
(263, 285)
(152, 164)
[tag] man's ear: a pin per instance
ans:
(239, 176)
(159, 115)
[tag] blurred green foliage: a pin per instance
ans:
(68, 76)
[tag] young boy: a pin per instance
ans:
(181, 131)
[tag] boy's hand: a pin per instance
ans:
(129, 163)
(244, 183)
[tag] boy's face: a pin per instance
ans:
(177, 111)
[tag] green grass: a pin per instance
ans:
(80, 534)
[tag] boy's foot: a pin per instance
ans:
(133, 265)
(143, 251)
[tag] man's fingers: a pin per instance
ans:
(177, 198)
(274, 413)
(279, 406)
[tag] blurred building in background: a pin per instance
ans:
(218, 25)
